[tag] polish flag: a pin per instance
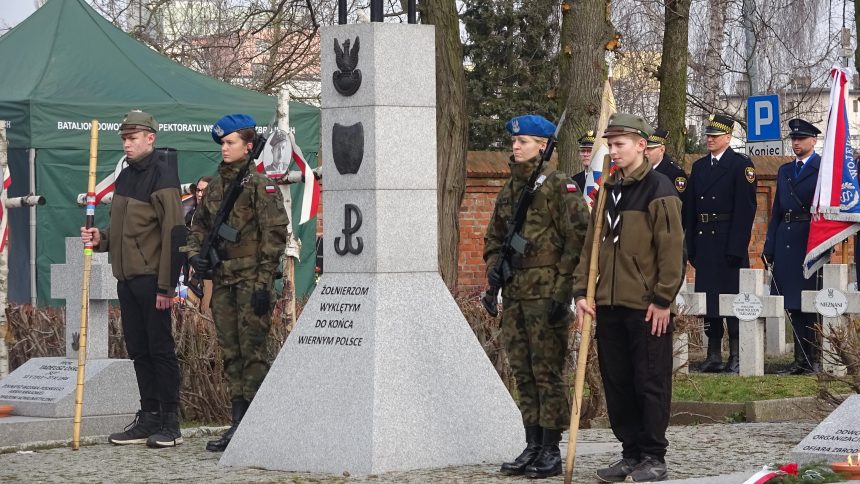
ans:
(311, 188)
(836, 205)
(4, 219)
(106, 186)
(593, 176)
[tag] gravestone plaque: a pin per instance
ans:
(746, 307)
(382, 371)
(45, 387)
(834, 438)
(830, 302)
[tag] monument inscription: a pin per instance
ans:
(746, 307)
(830, 302)
(337, 322)
(46, 383)
(835, 437)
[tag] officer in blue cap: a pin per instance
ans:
(718, 216)
(243, 284)
(537, 298)
(787, 234)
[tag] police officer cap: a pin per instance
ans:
(230, 124)
(658, 138)
(802, 129)
(623, 123)
(719, 124)
(530, 125)
(137, 120)
(587, 140)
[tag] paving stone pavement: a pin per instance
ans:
(731, 451)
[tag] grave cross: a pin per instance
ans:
(831, 302)
(692, 303)
(66, 284)
(751, 306)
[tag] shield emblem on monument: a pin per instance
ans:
(347, 147)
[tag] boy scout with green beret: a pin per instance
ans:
(640, 270)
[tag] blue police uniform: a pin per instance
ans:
(785, 246)
(718, 214)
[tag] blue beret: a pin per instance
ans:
(530, 125)
(231, 123)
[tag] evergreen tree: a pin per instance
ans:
(511, 53)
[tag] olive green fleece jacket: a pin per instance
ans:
(644, 265)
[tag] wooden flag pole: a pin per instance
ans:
(85, 286)
(585, 337)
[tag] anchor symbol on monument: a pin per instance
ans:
(349, 229)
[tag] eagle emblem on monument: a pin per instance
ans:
(347, 79)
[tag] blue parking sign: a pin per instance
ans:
(763, 118)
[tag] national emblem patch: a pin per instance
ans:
(750, 174)
(271, 188)
(680, 184)
(571, 187)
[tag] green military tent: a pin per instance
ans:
(66, 65)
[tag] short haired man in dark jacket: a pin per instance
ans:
(145, 224)
(640, 270)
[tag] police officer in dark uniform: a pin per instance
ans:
(787, 234)
(586, 144)
(663, 163)
(718, 214)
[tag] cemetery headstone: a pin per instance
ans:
(751, 305)
(832, 302)
(45, 387)
(834, 438)
(382, 371)
(689, 303)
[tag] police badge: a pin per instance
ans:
(680, 184)
(750, 173)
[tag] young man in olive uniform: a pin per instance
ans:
(718, 215)
(787, 234)
(586, 146)
(536, 309)
(145, 223)
(640, 272)
(243, 292)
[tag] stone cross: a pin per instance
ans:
(752, 306)
(831, 302)
(66, 284)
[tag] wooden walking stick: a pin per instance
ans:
(85, 287)
(585, 337)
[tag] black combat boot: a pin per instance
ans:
(534, 434)
(239, 408)
(169, 435)
(548, 461)
(714, 362)
(144, 425)
(733, 364)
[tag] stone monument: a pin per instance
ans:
(382, 371)
(834, 438)
(45, 387)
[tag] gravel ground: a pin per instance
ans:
(694, 452)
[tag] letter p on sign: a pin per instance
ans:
(763, 118)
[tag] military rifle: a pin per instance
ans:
(514, 242)
(220, 231)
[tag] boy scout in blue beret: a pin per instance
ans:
(536, 308)
(718, 215)
(640, 271)
(242, 294)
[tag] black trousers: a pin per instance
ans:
(714, 328)
(805, 338)
(149, 342)
(636, 368)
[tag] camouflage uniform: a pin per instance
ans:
(555, 227)
(248, 264)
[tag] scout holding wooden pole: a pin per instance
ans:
(585, 337)
(85, 286)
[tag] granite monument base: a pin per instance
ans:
(382, 373)
(17, 430)
(834, 438)
(45, 387)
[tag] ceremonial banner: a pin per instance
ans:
(836, 205)
(593, 175)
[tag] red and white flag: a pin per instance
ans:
(836, 205)
(106, 186)
(4, 219)
(311, 187)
